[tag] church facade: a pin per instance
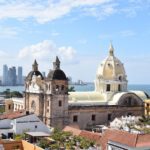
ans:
(50, 100)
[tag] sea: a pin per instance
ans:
(87, 87)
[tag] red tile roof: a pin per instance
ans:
(86, 134)
(91, 136)
(125, 138)
(13, 115)
(74, 131)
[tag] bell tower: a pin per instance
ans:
(57, 96)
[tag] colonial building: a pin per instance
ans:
(49, 99)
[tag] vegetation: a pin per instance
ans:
(65, 140)
(71, 89)
(9, 94)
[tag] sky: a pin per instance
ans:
(79, 33)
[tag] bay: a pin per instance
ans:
(87, 87)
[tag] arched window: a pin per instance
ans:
(120, 78)
(57, 88)
(62, 87)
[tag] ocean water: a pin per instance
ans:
(88, 87)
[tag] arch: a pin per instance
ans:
(130, 99)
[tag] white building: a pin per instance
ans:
(18, 123)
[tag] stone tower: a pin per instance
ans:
(57, 96)
(48, 97)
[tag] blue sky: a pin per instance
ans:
(79, 32)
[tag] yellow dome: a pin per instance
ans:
(111, 76)
(111, 68)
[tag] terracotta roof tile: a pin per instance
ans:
(125, 138)
(117, 136)
(74, 131)
(91, 136)
(143, 140)
(12, 115)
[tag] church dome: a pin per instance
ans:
(111, 68)
(34, 72)
(56, 73)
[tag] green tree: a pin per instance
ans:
(71, 89)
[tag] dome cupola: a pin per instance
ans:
(34, 72)
(111, 76)
(56, 73)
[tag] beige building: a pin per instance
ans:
(49, 99)
(9, 106)
(14, 104)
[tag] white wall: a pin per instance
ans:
(28, 123)
(5, 123)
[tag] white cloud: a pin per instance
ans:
(45, 11)
(66, 52)
(8, 32)
(45, 50)
(49, 10)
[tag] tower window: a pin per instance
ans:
(57, 87)
(108, 87)
(93, 118)
(60, 103)
(109, 117)
(119, 87)
(48, 110)
(120, 78)
(62, 87)
(75, 118)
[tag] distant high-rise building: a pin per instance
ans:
(5, 75)
(19, 76)
(12, 76)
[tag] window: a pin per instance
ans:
(108, 87)
(75, 118)
(93, 118)
(62, 87)
(119, 87)
(35, 126)
(48, 110)
(9, 106)
(129, 101)
(109, 117)
(57, 88)
(60, 103)
(120, 78)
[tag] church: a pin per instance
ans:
(49, 99)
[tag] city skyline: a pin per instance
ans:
(79, 32)
(12, 76)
